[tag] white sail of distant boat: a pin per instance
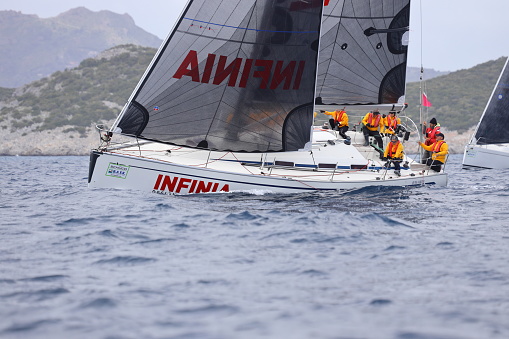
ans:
(227, 103)
(489, 145)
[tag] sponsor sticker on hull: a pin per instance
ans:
(117, 171)
(166, 184)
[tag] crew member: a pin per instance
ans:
(339, 122)
(394, 153)
(372, 124)
(439, 150)
(429, 136)
(391, 123)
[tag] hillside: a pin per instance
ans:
(56, 115)
(71, 102)
(33, 48)
(459, 97)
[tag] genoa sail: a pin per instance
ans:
(233, 75)
(493, 127)
(363, 52)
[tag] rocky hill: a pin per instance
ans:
(458, 98)
(33, 48)
(57, 114)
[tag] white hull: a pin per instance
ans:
(331, 166)
(486, 156)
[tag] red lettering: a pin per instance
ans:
(193, 185)
(202, 188)
(168, 183)
(298, 78)
(183, 183)
(189, 67)
(158, 181)
(285, 75)
(208, 68)
(214, 189)
(246, 73)
(226, 188)
(232, 70)
(265, 73)
(263, 70)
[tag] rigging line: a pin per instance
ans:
(251, 29)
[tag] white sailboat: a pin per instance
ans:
(227, 103)
(489, 145)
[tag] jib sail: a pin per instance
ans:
(363, 52)
(233, 75)
(493, 126)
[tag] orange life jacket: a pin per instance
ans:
(437, 146)
(339, 116)
(392, 123)
(392, 149)
(430, 133)
(370, 120)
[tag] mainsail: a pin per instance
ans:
(233, 75)
(362, 52)
(493, 127)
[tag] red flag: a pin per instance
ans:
(425, 101)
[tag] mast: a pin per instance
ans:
(421, 113)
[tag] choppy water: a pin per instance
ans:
(426, 262)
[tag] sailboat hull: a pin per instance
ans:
(486, 156)
(121, 171)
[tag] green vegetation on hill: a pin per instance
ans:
(96, 91)
(458, 98)
(5, 93)
(93, 92)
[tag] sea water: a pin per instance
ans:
(406, 263)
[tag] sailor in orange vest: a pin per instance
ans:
(439, 150)
(394, 153)
(391, 123)
(372, 123)
(339, 122)
(429, 136)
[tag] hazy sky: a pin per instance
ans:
(456, 34)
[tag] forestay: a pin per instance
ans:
(233, 75)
